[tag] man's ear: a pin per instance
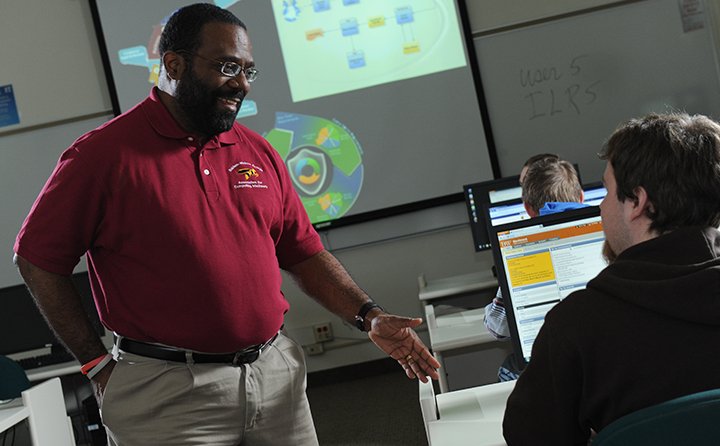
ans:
(641, 205)
(174, 64)
(530, 211)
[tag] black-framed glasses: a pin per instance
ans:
(230, 69)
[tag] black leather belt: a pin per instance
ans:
(244, 356)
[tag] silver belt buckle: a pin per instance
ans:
(236, 359)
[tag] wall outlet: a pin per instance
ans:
(323, 332)
(314, 349)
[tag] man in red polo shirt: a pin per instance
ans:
(186, 218)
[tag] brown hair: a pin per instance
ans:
(676, 159)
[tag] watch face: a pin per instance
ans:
(364, 310)
(360, 323)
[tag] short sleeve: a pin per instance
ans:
(62, 222)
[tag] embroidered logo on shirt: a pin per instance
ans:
(249, 175)
(248, 172)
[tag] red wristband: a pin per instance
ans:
(89, 366)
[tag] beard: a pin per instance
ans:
(608, 253)
(198, 103)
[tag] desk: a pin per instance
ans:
(477, 403)
(470, 416)
(460, 329)
(456, 330)
(44, 408)
(51, 371)
(455, 285)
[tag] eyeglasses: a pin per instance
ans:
(230, 69)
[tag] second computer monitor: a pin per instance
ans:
(505, 212)
(477, 195)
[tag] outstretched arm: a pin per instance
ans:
(324, 278)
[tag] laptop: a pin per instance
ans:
(539, 262)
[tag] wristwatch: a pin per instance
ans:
(360, 318)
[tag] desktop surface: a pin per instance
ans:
(471, 416)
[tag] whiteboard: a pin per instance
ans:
(51, 59)
(563, 86)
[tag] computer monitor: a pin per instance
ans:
(594, 193)
(23, 328)
(478, 195)
(540, 261)
(505, 212)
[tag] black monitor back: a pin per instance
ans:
(22, 326)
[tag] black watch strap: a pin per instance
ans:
(360, 318)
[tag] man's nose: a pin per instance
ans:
(239, 82)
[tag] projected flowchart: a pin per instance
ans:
(335, 46)
(324, 160)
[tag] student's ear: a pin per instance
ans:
(530, 211)
(641, 205)
(582, 196)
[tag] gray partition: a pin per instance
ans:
(563, 86)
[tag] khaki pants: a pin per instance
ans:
(153, 402)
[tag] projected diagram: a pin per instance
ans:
(335, 46)
(148, 57)
(324, 160)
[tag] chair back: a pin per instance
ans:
(48, 420)
(13, 379)
(688, 420)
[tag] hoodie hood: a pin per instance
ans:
(676, 274)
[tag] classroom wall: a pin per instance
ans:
(387, 269)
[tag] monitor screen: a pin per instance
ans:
(594, 193)
(505, 194)
(375, 106)
(505, 212)
(477, 195)
(23, 328)
(540, 261)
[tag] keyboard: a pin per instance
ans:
(45, 360)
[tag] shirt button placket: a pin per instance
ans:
(209, 182)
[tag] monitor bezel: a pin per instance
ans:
(481, 239)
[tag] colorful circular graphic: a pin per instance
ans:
(324, 160)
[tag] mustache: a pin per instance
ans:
(239, 96)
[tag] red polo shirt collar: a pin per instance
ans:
(165, 124)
